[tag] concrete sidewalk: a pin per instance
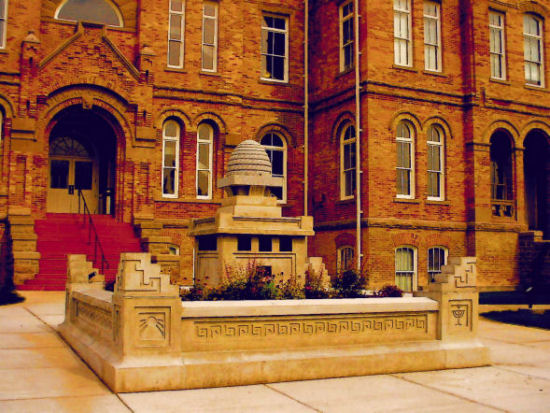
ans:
(40, 373)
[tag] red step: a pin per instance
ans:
(62, 234)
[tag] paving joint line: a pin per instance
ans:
(458, 396)
(292, 398)
(503, 367)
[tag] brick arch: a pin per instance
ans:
(212, 118)
(535, 125)
(184, 120)
(87, 98)
(534, 7)
(344, 239)
(127, 8)
(439, 121)
(276, 128)
(342, 119)
(407, 116)
(7, 106)
(405, 240)
(505, 126)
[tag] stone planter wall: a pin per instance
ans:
(141, 337)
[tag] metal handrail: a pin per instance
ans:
(92, 231)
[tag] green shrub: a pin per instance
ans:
(349, 284)
(390, 291)
(313, 287)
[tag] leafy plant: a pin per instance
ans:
(349, 284)
(314, 287)
(390, 291)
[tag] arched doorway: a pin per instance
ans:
(82, 148)
(536, 168)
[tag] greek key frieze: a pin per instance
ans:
(310, 327)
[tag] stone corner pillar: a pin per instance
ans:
(456, 291)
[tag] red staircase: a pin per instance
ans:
(62, 234)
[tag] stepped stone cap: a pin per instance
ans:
(249, 164)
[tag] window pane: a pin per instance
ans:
(169, 153)
(204, 156)
(209, 31)
(168, 181)
(175, 26)
(98, 11)
(176, 5)
(174, 53)
(171, 129)
(202, 183)
(205, 131)
(210, 9)
(59, 174)
(208, 57)
(277, 162)
(83, 175)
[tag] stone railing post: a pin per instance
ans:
(456, 291)
(147, 323)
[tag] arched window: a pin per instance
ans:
(405, 268)
(65, 146)
(436, 182)
(205, 137)
(275, 147)
(170, 158)
(348, 161)
(533, 50)
(3, 22)
(344, 259)
(501, 175)
(97, 11)
(405, 160)
(437, 257)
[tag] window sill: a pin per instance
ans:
(434, 73)
(4, 51)
(537, 88)
(436, 202)
(175, 69)
(406, 200)
(189, 200)
(274, 82)
(407, 68)
(345, 72)
(205, 73)
(346, 201)
(500, 81)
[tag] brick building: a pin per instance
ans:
(136, 106)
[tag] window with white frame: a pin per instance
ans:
(176, 27)
(345, 258)
(274, 48)
(346, 36)
(275, 147)
(533, 50)
(170, 158)
(3, 22)
(209, 36)
(405, 160)
(405, 268)
(432, 36)
(205, 137)
(437, 258)
(348, 162)
(402, 39)
(496, 45)
(436, 169)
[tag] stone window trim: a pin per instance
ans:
(533, 44)
(402, 32)
(170, 170)
(348, 161)
(204, 160)
(270, 40)
(345, 258)
(433, 59)
(274, 143)
(3, 22)
(406, 264)
(437, 257)
(497, 44)
(209, 55)
(111, 6)
(405, 166)
(176, 34)
(436, 163)
(347, 36)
